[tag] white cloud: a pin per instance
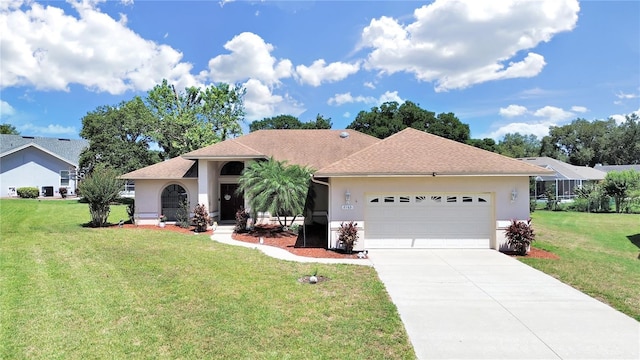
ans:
(460, 43)
(346, 115)
(553, 113)
(346, 98)
(621, 95)
(48, 49)
(250, 58)
(50, 129)
(260, 102)
(6, 109)
(320, 72)
(513, 110)
(370, 85)
(579, 109)
(619, 119)
(390, 96)
(539, 129)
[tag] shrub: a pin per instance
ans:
(520, 235)
(28, 192)
(242, 217)
(201, 217)
(100, 189)
(182, 214)
(131, 211)
(63, 192)
(348, 235)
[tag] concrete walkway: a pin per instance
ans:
(223, 235)
(481, 304)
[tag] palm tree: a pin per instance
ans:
(275, 187)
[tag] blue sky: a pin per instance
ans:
(500, 66)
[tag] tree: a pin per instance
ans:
(485, 144)
(391, 118)
(186, 121)
(517, 145)
(223, 109)
(119, 137)
(275, 187)
(583, 142)
(623, 143)
(8, 129)
(100, 189)
(289, 122)
(619, 184)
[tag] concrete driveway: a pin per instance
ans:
(477, 304)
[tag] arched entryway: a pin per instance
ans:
(230, 200)
(170, 200)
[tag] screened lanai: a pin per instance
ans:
(566, 179)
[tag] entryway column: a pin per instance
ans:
(203, 183)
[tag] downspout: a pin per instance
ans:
(304, 228)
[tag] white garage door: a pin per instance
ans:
(428, 221)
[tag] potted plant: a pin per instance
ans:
(348, 235)
(63, 192)
(520, 235)
(163, 220)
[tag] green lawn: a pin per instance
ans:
(69, 292)
(599, 254)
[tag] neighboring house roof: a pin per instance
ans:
(608, 168)
(564, 171)
(176, 168)
(414, 152)
(66, 149)
(314, 148)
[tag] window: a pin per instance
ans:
(404, 199)
(436, 199)
(64, 177)
(452, 199)
(375, 200)
(232, 168)
(482, 200)
(420, 199)
(467, 199)
(389, 199)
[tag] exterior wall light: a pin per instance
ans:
(347, 196)
(514, 195)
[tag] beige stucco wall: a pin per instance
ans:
(148, 193)
(500, 189)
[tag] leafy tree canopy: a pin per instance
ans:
(289, 122)
(517, 145)
(391, 118)
(8, 129)
(100, 189)
(119, 137)
(581, 143)
(619, 184)
(186, 121)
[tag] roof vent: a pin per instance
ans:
(344, 134)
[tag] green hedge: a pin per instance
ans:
(28, 192)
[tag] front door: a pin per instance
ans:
(230, 202)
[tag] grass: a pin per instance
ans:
(70, 292)
(599, 254)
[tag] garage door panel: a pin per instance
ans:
(428, 221)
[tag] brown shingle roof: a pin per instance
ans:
(415, 152)
(314, 148)
(176, 168)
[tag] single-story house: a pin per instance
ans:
(410, 190)
(46, 163)
(565, 178)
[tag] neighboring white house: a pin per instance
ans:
(565, 179)
(410, 190)
(45, 163)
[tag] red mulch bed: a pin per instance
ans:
(290, 242)
(287, 240)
